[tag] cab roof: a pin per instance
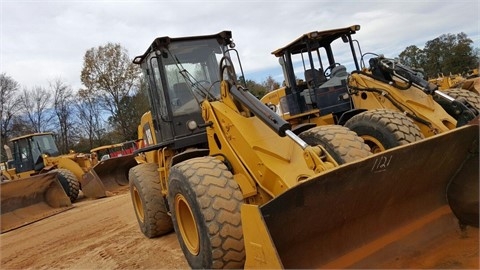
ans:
(224, 38)
(103, 147)
(31, 135)
(316, 39)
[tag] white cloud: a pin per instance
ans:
(42, 40)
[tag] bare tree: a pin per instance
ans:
(63, 105)
(90, 116)
(35, 104)
(110, 74)
(9, 106)
(270, 84)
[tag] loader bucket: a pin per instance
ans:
(401, 208)
(108, 176)
(92, 186)
(113, 172)
(31, 199)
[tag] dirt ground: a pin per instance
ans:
(104, 234)
(94, 234)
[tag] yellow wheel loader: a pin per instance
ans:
(241, 189)
(470, 81)
(37, 153)
(110, 164)
(387, 104)
(35, 171)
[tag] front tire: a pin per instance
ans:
(148, 202)
(384, 129)
(340, 142)
(69, 183)
(205, 202)
(472, 97)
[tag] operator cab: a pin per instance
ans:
(181, 73)
(324, 85)
(28, 151)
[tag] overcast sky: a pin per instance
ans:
(44, 40)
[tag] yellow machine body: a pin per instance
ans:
(328, 94)
(298, 205)
(375, 213)
(412, 100)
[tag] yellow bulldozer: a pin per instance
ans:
(241, 189)
(388, 104)
(35, 168)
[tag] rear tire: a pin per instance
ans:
(69, 183)
(148, 202)
(384, 129)
(341, 143)
(205, 204)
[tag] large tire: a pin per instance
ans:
(205, 204)
(340, 142)
(69, 183)
(384, 129)
(472, 97)
(148, 202)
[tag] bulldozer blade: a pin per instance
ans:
(31, 199)
(113, 172)
(389, 210)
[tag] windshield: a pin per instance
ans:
(44, 144)
(194, 66)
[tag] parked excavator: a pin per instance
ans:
(387, 103)
(241, 189)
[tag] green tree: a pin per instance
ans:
(111, 76)
(445, 54)
(260, 89)
(255, 88)
(461, 56)
(412, 56)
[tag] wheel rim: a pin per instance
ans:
(375, 145)
(137, 202)
(186, 224)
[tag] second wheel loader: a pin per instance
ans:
(110, 164)
(470, 81)
(386, 103)
(241, 189)
(36, 154)
(35, 168)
